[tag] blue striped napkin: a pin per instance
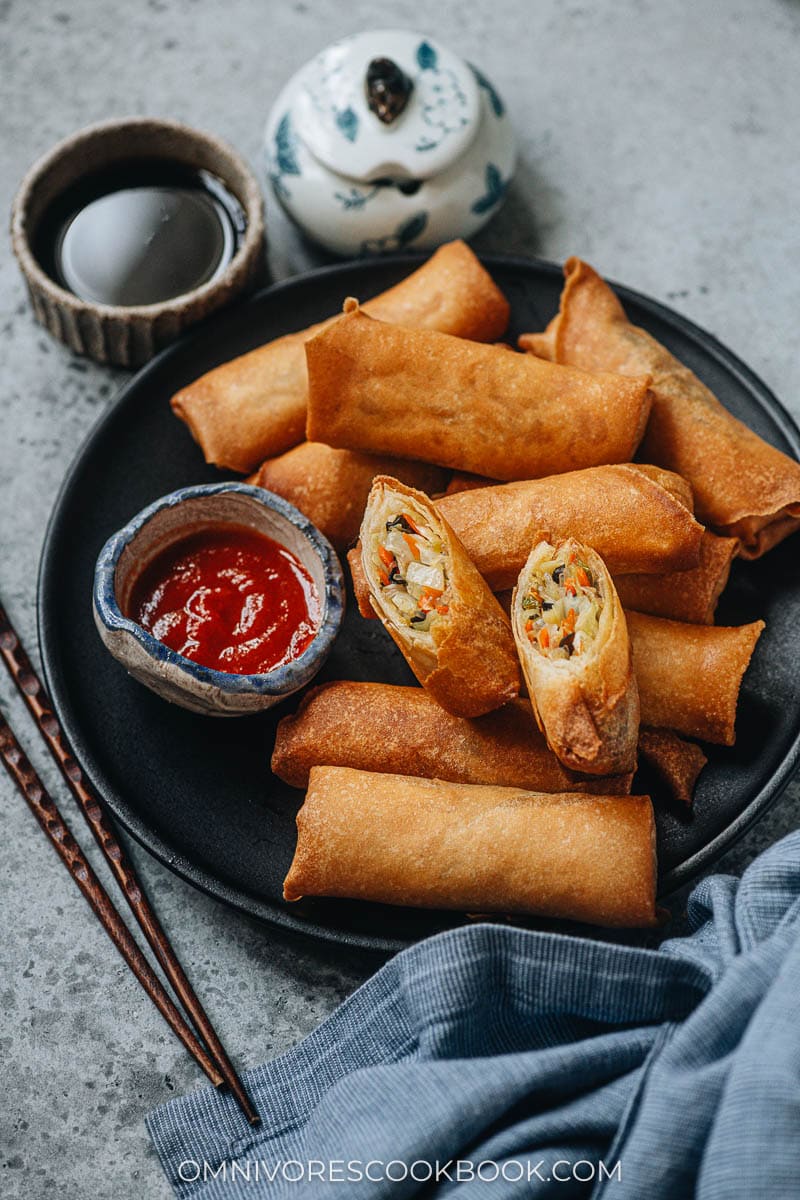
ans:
(492, 1061)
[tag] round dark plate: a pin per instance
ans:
(198, 792)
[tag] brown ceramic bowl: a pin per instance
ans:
(122, 335)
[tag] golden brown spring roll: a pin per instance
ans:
(426, 843)
(573, 644)
(331, 486)
(676, 764)
(403, 731)
(689, 676)
(434, 604)
(683, 595)
(631, 515)
(743, 487)
(425, 395)
(254, 407)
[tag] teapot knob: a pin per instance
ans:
(388, 89)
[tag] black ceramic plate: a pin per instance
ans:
(197, 792)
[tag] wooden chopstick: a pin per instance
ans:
(218, 1066)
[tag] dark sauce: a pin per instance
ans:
(140, 233)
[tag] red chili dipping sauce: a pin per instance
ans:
(229, 598)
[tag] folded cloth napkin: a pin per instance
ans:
(498, 1062)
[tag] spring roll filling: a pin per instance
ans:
(562, 603)
(410, 562)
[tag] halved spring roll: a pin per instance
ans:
(431, 844)
(254, 407)
(425, 395)
(743, 486)
(434, 604)
(635, 517)
(675, 763)
(576, 658)
(403, 731)
(331, 486)
(689, 676)
(683, 595)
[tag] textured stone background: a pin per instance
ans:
(658, 140)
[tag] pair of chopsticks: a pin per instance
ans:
(206, 1049)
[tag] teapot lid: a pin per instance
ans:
(386, 104)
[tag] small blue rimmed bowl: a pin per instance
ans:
(129, 552)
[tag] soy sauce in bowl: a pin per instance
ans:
(140, 233)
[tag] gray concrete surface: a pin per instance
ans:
(658, 140)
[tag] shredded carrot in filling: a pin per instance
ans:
(414, 581)
(562, 604)
(411, 541)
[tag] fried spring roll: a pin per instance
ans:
(576, 658)
(689, 676)
(635, 518)
(431, 844)
(676, 764)
(434, 604)
(426, 395)
(403, 731)
(331, 486)
(254, 407)
(683, 595)
(743, 487)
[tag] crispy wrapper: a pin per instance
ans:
(254, 407)
(473, 665)
(331, 486)
(403, 731)
(683, 595)
(426, 395)
(427, 843)
(743, 487)
(689, 676)
(676, 764)
(360, 585)
(586, 706)
(635, 517)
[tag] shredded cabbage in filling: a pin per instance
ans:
(562, 605)
(410, 561)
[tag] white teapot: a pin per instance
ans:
(388, 141)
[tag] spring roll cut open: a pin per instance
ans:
(254, 407)
(331, 487)
(425, 395)
(743, 486)
(431, 844)
(576, 658)
(403, 731)
(434, 604)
